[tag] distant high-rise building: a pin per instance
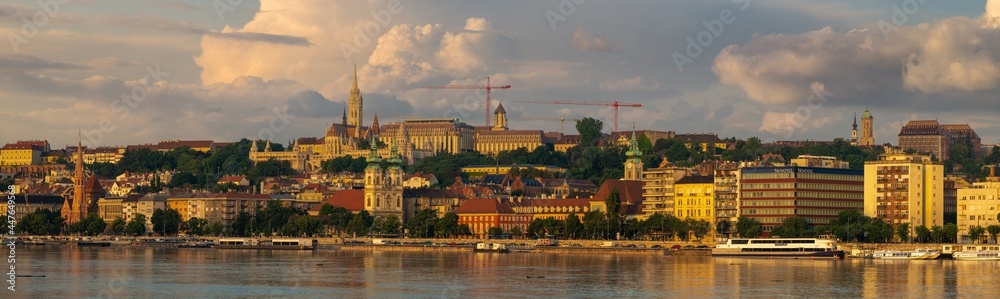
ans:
(903, 188)
(929, 136)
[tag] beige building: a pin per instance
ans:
(903, 188)
(658, 188)
(217, 207)
(820, 162)
(111, 208)
(145, 205)
(726, 192)
(978, 205)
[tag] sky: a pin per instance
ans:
(140, 71)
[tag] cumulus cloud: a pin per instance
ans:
(951, 55)
(587, 41)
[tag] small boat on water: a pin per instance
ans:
(270, 244)
(779, 248)
(977, 255)
(919, 254)
(494, 247)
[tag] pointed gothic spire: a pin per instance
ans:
(267, 145)
(375, 128)
(79, 157)
(253, 145)
(343, 119)
(500, 109)
(354, 86)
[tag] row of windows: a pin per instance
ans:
(827, 176)
(768, 211)
(694, 213)
(811, 194)
(830, 203)
(691, 201)
(978, 197)
(830, 212)
(752, 203)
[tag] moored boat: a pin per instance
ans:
(494, 247)
(779, 248)
(270, 244)
(977, 255)
(919, 254)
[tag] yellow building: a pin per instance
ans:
(479, 170)
(498, 138)
(903, 188)
(978, 206)
(706, 141)
(694, 198)
(16, 154)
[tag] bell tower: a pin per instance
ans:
(355, 102)
(633, 163)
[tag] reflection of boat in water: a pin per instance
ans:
(93, 243)
(206, 244)
(977, 255)
(272, 244)
(919, 254)
(779, 248)
(495, 247)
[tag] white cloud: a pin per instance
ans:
(587, 41)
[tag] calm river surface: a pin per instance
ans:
(139, 272)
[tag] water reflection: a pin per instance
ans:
(171, 272)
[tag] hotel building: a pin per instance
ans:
(770, 194)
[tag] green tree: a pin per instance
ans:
(950, 231)
(183, 179)
(423, 224)
(722, 227)
(40, 222)
(573, 227)
(495, 231)
(447, 226)
(923, 234)
(194, 226)
(793, 227)
(613, 203)
(166, 222)
(748, 227)
(215, 229)
(590, 130)
(594, 225)
(303, 225)
(118, 226)
(388, 225)
(137, 226)
(903, 232)
(91, 226)
(993, 230)
(976, 233)
(700, 228)
(338, 216)
(360, 223)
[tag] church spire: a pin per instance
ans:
(343, 119)
(355, 104)
(855, 125)
(354, 86)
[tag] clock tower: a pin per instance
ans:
(633, 165)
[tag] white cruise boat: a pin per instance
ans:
(778, 248)
(977, 255)
(919, 254)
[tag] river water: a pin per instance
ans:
(147, 272)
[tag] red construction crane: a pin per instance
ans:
(488, 87)
(614, 104)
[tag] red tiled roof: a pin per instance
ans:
(484, 206)
(629, 191)
(352, 200)
(22, 146)
(231, 179)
